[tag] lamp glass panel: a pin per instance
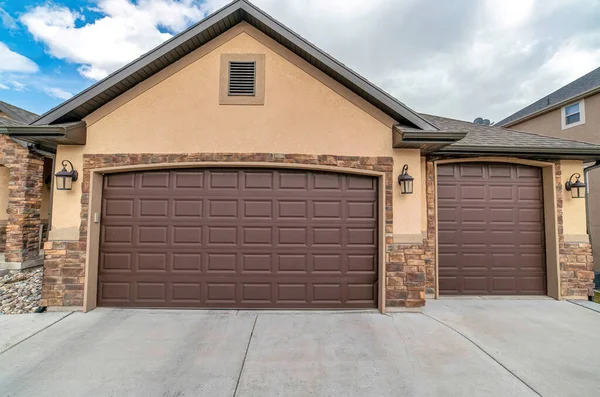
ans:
(407, 186)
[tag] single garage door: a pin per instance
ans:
(491, 230)
(230, 238)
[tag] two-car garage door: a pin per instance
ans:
(491, 229)
(239, 238)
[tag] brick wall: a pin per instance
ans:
(24, 200)
(2, 238)
(64, 273)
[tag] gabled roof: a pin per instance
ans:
(99, 94)
(583, 86)
(16, 115)
(493, 140)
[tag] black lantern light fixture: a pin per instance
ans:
(576, 188)
(64, 178)
(405, 181)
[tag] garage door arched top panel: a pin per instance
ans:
(239, 238)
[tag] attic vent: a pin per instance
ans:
(242, 78)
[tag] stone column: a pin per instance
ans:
(24, 205)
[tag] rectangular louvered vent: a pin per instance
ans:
(242, 78)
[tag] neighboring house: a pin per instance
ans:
(25, 179)
(571, 112)
(238, 166)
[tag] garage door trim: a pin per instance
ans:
(550, 194)
(95, 203)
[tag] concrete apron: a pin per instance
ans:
(455, 347)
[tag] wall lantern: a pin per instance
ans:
(576, 188)
(405, 181)
(64, 178)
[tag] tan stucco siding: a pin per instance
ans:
(4, 177)
(407, 207)
(549, 124)
(574, 212)
(178, 111)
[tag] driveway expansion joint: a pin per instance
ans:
(237, 385)
(485, 352)
(35, 333)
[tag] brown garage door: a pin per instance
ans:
(225, 238)
(491, 230)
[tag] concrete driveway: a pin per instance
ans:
(453, 348)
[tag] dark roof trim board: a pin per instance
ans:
(48, 137)
(427, 141)
(586, 85)
(199, 34)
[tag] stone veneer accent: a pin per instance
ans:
(2, 237)
(65, 260)
(24, 201)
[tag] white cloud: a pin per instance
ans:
(459, 58)
(7, 21)
(14, 62)
(126, 31)
(57, 93)
(17, 86)
(3, 87)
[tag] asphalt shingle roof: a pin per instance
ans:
(16, 114)
(480, 136)
(583, 84)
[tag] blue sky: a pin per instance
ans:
(459, 58)
(52, 71)
(57, 75)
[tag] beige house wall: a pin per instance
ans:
(575, 227)
(177, 111)
(549, 124)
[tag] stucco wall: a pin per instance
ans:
(550, 123)
(178, 111)
(574, 211)
(4, 176)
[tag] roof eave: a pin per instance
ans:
(48, 136)
(426, 141)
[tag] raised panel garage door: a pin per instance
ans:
(491, 230)
(229, 238)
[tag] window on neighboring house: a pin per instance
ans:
(573, 114)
